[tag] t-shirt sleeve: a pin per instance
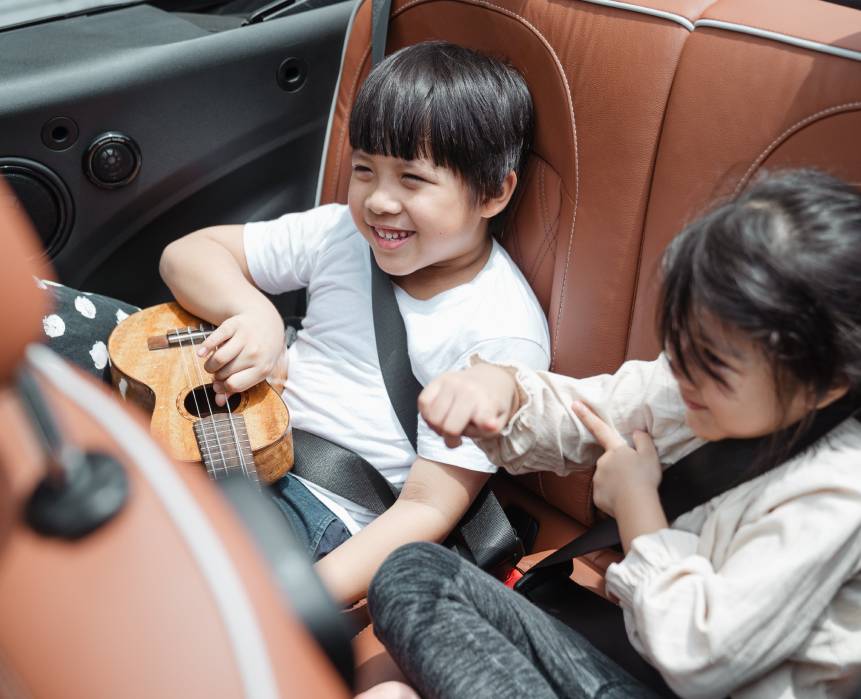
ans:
(431, 446)
(283, 253)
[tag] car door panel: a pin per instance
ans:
(225, 133)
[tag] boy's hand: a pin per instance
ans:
(242, 351)
(474, 402)
(622, 473)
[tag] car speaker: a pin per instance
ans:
(44, 197)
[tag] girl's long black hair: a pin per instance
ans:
(782, 264)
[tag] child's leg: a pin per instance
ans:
(78, 326)
(315, 525)
(457, 632)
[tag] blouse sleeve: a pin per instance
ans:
(545, 435)
(710, 626)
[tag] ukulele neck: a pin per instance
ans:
(225, 447)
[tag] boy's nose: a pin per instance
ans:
(381, 202)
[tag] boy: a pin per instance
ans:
(439, 135)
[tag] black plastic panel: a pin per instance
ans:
(220, 140)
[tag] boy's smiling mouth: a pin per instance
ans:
(390, 238)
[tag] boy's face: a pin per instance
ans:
(417, 217)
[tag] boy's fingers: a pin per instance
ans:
(607, 437)
(643, 444)
(243, 380)
(211, 343)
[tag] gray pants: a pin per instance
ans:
(457, 632)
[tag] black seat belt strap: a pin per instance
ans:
(341, 471)
(695, 479)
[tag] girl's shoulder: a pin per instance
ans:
(831, 465)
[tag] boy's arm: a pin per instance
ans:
(432, 502)
(208, 274)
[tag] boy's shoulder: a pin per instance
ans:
(496, 315)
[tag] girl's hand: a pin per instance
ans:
(475, 402)
(622, 473)
(242, 352)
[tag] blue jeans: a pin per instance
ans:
(314, 524)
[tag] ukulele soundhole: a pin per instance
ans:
(200, 402)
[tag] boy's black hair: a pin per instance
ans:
(781, 264)
(459, 108)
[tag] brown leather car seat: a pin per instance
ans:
(646, 111)
(169, 598)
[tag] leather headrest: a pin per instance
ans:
(23, 304)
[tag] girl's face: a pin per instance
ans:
(421, 220)
(746, 405)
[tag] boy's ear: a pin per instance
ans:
(491, 207)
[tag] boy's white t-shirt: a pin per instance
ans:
(335, 387)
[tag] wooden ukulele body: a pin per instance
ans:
(161, 382)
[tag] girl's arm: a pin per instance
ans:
(711, 623)
(523, 420)
(432, 502)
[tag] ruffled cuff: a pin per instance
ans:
(650, 555)
(518, 437)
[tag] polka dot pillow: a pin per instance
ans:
(79, 325)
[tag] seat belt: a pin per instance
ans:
(703, 474)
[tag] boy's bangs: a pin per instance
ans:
(397, 125)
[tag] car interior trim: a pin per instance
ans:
(663, 14)
(328, 136)
(224, 582)
(776, 36)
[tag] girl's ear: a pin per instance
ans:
(834, 394)
(490, 207)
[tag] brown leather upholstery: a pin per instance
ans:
(23, 305)
(127, 611)
(743, 103)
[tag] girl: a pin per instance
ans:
(756, 593)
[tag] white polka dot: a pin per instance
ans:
(99, 353)
(121, 316)
(85, 307)
(123, 386)
(50, 283)
(53, 325)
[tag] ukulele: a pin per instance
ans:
(154, 364)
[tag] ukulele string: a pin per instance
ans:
(212, 472)
(236, 444)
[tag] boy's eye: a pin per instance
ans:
(412, 176)
(361, 168)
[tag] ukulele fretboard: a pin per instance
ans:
(225, 447)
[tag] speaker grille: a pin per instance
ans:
(44, 197)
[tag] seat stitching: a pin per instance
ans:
(847, 107)
(561, 70)
(554, 227)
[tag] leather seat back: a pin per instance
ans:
(170, 597)
(645, 112)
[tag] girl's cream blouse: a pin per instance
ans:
(755, 594)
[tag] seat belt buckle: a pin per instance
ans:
(532, 579)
